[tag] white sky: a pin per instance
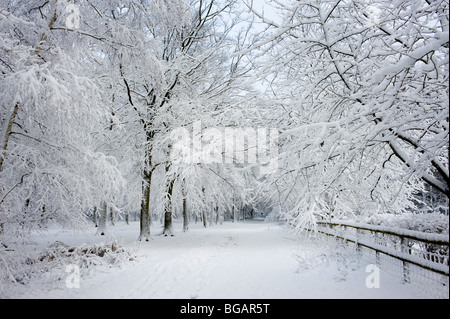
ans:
(264, 8)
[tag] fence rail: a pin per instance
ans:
(418, 258)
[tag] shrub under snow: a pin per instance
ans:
(58, 255)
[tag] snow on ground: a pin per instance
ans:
(243, 260)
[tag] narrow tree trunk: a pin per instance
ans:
(168, 213)
(217, 215)
(204, 218)
(102, 220)
(12, 118)
(185, 213)
(95, 216)
(113, 216)
(212, 218)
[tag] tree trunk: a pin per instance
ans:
(168, 213)
(12, 118)
(185, 213)
(204, 218)
(102, 220)
(95, 216)
(213, 218)
(145, 211)
(113, 216)
(217, 215)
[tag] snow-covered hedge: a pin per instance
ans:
(424, 222)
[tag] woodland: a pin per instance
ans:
(207, 111)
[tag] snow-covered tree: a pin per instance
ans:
(193, 76)
(52, 112)
(363, 94)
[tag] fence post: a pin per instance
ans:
(405, 249)
(377, 258)
(358, 248)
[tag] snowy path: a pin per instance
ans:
(232, 261)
